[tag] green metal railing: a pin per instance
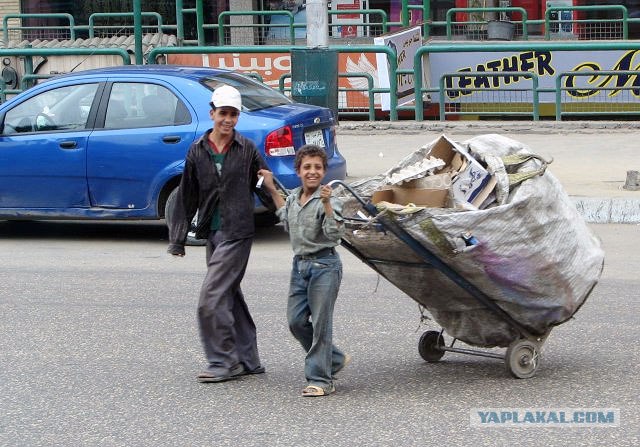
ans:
(394, 72)
(200, 25)
(5, 23)
(28, 80)
(502, 47)
(223, 15)
(371, 91)
(557, 9)
(381, 12)
(4, 91)
(535, 102)
(634, 88)
(103, 15)
(503, 10)
(28, 54)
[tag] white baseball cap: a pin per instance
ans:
(227, 96)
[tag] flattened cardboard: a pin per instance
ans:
(435, 181)
(481, 199)
(430, 198)
(470, 177)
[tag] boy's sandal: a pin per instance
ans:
(315, 391)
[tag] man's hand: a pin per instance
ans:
(270, 186)
(267, 183)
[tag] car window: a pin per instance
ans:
(255, 95)
(137, 104)
(64, 108)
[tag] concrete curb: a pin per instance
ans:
(473, 127)
(600, 210)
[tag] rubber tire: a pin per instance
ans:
(522, 359)
(168, 212)
(428, 346)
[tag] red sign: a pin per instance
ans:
(354, 5)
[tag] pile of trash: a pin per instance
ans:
(489, 209)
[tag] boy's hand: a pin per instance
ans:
(325, 193)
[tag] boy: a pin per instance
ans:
(312, 219)
(220, 174)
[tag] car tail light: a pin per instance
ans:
(280, 143)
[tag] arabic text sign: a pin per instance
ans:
(271, 66)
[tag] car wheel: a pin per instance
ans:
(168, 213)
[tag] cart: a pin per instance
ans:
(523, 353)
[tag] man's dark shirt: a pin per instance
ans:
(202, 189)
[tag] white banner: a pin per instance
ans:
(406, 44)
(547, 65)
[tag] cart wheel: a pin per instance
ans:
(522, 359)
(429, 346)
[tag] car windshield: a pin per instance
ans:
(255, 95)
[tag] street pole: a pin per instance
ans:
(317, 24)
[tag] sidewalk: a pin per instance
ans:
(590, 158)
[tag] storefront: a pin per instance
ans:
(44, 28)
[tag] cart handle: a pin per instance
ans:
(369, 207)
(280, 185)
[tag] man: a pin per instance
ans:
(218, 182)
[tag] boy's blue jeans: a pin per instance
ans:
(313, 290)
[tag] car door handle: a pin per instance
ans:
(171, 139)
(68, 144)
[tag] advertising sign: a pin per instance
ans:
(271, 66)
(406, 44)
(547, 65)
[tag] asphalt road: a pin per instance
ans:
(100, 348)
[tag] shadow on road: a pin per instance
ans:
(105, 230)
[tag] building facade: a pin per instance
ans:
(249, 30)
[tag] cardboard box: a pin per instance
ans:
(435, 181)
(470, 178)
(486, 196)
(449, 152)
(430, 198)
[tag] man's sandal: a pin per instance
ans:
(316, 391)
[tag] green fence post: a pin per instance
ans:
(179, 23)
(426, 18)
(200, 22)
(137, 29)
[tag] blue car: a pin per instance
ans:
(110, 143)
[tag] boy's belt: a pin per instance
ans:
(330, 251)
